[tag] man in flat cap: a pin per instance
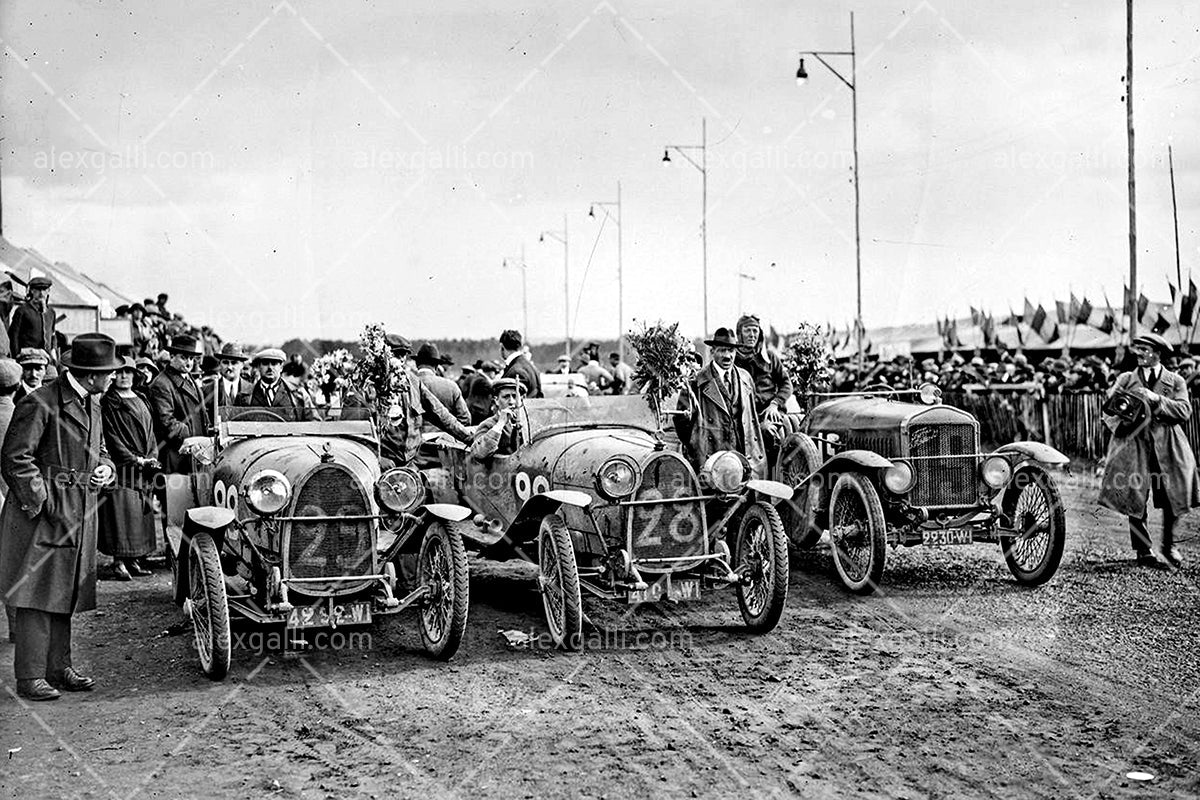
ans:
(429, 360)
(55, 462)
(271, 391)
(1150, 458)
(177, 404)
(503, 432)
(718, 409)
(33, 362)
(33, 321)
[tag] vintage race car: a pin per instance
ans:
(599, 502)
(291, 524)
(872, 471)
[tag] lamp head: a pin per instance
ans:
(667, 156)
(801, 74)
(592, 212)
(541, 237)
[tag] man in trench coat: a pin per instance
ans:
(55, 463)
(176, 404)
(719, 412)
(1155, 460)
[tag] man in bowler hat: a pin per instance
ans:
(55, 462)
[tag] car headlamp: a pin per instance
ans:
(724, 471)
(996, 471)
(898, 478)
(267, 492)
(399, 490)
(930, 394)
(617, 477)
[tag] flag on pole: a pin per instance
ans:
(1161, 325)
(1063, 313)
(1015, 321)
(1044, 326)
(1073, 311)
(1187, 307)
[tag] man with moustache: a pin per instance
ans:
(271, 391)
(55, 462)
(177, 404)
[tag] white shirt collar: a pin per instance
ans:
(425, 371)
(76, 386)
(512, 357)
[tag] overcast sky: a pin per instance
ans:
(302, 168)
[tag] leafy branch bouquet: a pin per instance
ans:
(808, 359)
(333, 373)
(664, 362)
(381, 377)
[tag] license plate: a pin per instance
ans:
(329, 615)
(677, 590)
(946, 537)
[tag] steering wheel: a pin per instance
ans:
(257, 415)
(889, 391)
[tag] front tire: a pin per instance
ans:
(799, 458)
(558, 576)
(858, 533)
(442, 567)
(1034, 506)
(209, 606)
(761, 551)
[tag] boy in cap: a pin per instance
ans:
(33, 321)
(503, 432)
(1154, 461)
(33, 362)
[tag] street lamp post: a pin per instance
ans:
(682, 149)
(520, 264)
(852, 83)
(561, 236)
(603, 206)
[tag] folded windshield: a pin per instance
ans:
(599, 411)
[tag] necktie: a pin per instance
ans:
(729, 384)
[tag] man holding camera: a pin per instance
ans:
(1149, 456)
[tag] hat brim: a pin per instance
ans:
(109, 367)
(228, 357)
(720, 343)
(182, 352)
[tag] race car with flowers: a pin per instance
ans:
(603, 505)
(291, 524)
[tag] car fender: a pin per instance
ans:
(450, 512)
(850, 461)
(1037, 451)
(540, 505)
(213, 520)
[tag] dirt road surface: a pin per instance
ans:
(953, 683)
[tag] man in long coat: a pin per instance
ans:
(32, 324)
(1155, 460)
(719, 409)
(177, 404)
(55, 463)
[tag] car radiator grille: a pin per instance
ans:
(949, 481)
(332, 548)
(669, 530)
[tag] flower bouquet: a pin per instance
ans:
(808, 359)
(379, 376)
(664, 362)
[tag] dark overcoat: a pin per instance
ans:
(770, 379)
(127, 527)
(179, 412)
(48, 561)
(285, 398)
(1158, 452)
(712, 421)
(522, 369)
(31, 327)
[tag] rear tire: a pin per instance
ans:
(442, 566)
(558, 576)
(761, 550)
(1033, 504)
(799, 458)
(858, 533)
(210, 607)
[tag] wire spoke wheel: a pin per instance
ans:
(558, 576)
(209, 605)
(761, 557)
(798, 458)
(442, 570)
(858, 533)
(1034, 510)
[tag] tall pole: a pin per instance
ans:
(1175, 214)
(524, 296)
(620, 283)
(1133, 284)
(857, 234)
(704, 212)
(566, 288)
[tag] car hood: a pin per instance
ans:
(572, 457)
(295, 457)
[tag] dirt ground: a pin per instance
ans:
(954, 683)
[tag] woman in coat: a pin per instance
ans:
(127, 513)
